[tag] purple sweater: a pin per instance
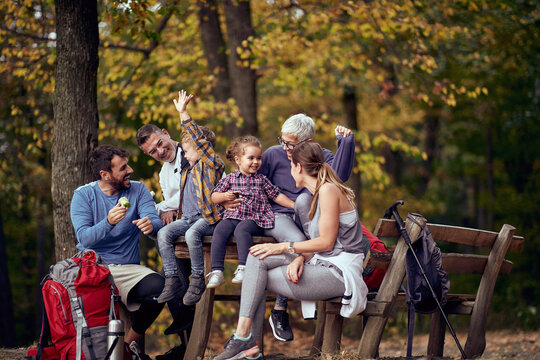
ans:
(277, 168)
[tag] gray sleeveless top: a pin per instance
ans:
(349, 239)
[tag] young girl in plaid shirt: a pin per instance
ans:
(252, 216)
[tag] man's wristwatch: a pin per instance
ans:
(291, 248)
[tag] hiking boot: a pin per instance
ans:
(236, 348)
(279, 322)
(195, 290)
(239, 274)
(215, 279)
(173, 287)
(175, 353)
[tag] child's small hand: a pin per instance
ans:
(229, 196)
(183, 101)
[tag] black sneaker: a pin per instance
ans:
(279, 322)
(175, 353)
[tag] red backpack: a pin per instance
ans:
(374, 277)
(79, 298)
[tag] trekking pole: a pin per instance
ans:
(393, 211)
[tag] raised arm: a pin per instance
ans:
(343, 161)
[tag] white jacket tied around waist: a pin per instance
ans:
(354, 300)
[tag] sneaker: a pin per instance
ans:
(195, 290)
(239, 349)
(175, 353)
(173, 287)
(133, 352)
(215, 279)
(279, 322)
(239, 274)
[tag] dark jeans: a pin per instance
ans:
(243, 230)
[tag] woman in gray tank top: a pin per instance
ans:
(326, 266)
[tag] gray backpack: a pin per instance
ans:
(418, 295)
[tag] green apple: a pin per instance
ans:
(124, 202)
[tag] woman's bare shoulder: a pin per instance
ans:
(329, 189)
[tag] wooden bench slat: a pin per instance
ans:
(470, 264)
(452, 234)
(452, 263)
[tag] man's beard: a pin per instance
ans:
(119, 185)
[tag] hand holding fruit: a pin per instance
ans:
(116, 214)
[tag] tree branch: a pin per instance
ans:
(125, 47)
(25, 35)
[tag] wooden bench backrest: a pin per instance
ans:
(457, 263)
(452, 234)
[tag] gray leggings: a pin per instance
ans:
(316, 283)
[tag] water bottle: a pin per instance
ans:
(116, 330)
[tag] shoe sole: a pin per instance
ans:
(236, 281)
(246, 353)
(274, 331)
(214, 286)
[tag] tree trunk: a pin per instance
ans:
(41, 261)
(75, 111)
(490, 179)
(215, 52)
(7, 325)
(351, 115)
(239, 28)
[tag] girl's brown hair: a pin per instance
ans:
(311, 156)
(236, 148)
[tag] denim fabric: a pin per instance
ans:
(194, 236)
(166, 237)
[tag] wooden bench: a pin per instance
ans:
(489, 263)
(380, 304)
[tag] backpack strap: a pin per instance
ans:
(409, 217)
(45, 334)
(112, 307)
(83, 333)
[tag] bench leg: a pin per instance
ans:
(202, 323)
(319, 329)
(332, 328)
(436, 335)
(476, 339)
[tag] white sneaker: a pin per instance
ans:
(239, 274)
(215, 279)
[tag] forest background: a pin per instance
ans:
(443, 97)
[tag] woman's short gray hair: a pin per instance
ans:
(300, 126)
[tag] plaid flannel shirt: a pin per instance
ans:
(206, 173)
(255, 191)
